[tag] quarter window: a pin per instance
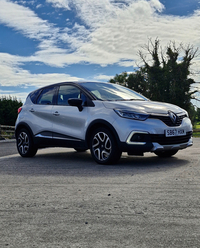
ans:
(33, 95)
(46, 96)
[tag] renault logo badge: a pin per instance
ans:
(172, 116)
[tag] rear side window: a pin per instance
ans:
(47, 96)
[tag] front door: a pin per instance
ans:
(69, 123)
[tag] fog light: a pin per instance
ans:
(138, 138)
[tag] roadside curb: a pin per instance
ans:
(8, 141)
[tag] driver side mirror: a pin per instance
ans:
(77, 102)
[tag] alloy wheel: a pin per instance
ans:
(102, 146)
(23, 143)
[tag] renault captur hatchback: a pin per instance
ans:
(106, 118)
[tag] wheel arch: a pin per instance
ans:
(101, 123)
(23, 125)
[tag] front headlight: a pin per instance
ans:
(187, 115)
(131, 115)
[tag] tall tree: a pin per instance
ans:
(164, 76)
(136, 81)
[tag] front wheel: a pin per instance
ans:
(166, 154)
(103, 147)
(25, 144)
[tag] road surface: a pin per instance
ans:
(61, 198)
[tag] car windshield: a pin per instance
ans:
(112, 92)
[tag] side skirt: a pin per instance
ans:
(47, 139)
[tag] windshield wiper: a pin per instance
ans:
(121, 100)
(134, 100)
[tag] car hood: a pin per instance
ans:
(148, 107)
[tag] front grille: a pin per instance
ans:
(167, 120)
(162, 140)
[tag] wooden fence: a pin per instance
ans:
(7, 132)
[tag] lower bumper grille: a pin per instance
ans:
(162, 140)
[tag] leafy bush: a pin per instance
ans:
(8, 110)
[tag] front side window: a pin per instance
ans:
(46, 96)
(66, 92)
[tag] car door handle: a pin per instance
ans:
(32, 110)
(56, 113)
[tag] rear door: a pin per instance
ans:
(40, 117)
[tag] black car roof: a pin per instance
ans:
(61, 83)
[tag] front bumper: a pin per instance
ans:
(139, 142)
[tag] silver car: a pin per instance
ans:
(106, 118)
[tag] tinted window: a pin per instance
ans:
(66, 92)
(46, 96)
(33, 95)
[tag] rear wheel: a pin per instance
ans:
(166, 154)
(25, 144)
(103, 147)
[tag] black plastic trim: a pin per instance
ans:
(23, 125)
(99, 123)
(136, 149)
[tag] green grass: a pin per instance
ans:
(196, 134)
(196, 126)
(7, 135)
(197, 123)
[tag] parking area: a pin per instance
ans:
(61, 198)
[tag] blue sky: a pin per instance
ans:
(49, 41)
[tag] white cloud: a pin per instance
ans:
(24, 20)
(60, 4)
(112, 33)
(20, 96)
(13, 75)
(157, 5)
(92, 12)
(115, 34)
(121, 38)
(38, 6)
(118, 29)
(103, 77)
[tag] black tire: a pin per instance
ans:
(103, 147)
(166, 154)
(25, 144)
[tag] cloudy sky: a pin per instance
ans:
(49, 41)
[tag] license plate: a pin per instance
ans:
(174, 132)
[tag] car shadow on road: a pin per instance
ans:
(72, 163)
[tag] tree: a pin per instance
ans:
(166, 77)
(8, 110)
(136, 81)
(198, 114)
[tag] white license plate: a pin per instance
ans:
(174, 132)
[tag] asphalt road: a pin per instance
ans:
(7, 147)
(61, 198)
